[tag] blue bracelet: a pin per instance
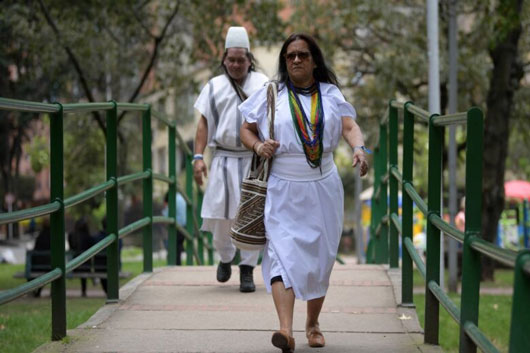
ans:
(363, 148)
(197, 157)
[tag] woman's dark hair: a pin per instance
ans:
(250, 58)
(321, 73)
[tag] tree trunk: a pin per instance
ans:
(505, 78)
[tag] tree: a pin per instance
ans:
(123, 50)
(379, 50)
(504, 82)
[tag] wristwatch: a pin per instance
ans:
(363, 148)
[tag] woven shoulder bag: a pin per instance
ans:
(248, 231)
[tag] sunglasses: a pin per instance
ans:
(302, 55)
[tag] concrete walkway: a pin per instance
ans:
(183, 309)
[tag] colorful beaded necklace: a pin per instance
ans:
(310, 132)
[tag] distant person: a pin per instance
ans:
(80, 240)
(43, 241)
(42, 262)
(460, 218)
(181, 220)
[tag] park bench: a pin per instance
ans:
(38, 263)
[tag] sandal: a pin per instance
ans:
(282, 340)
(315, 338)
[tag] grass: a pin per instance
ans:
(494, 321)
(494, 313)
(25, 323)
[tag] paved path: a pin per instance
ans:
(183, 309)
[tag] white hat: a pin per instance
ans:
(237, 38)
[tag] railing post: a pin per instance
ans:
(147, 191)
(200, 240)
(371, 252)
(520, 322)
(471, 266)
(406, 205)
(393, 183)
(382, 251)
(113, 254)
(189, 209)
(525, 224)
(58, 291)
(172, 199)
(208, 234)
(432, 307)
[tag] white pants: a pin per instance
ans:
(223, 244)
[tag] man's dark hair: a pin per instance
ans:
(250, 57)
(322, 73)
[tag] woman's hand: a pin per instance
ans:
(359, 159)
(199, 169)
(267, 148)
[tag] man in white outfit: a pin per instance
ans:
(218, 129)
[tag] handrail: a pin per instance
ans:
(446, 227)
(416, 198)
(26, 106)
(397, 223)
(479, 338)
(14, 293)
(163, 219)
(88, 194)
(132, 107)
(450, 119)
(28, 213)
(474, 247)
(89, 253)
(395, 172)
(415, 257)
(133, 177)
(130, 228)
(397, 104)
(418, 112)
(504, 256)
(162, 118)
(164, 178)
(384, 121)
(86, 107)
(444, 299)
(198, 242)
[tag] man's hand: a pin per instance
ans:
(199, 169)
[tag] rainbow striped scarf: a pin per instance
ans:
(310, 132)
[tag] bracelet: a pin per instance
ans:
(197, 156)
(254, 145)
(362, 148)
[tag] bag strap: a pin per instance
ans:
(272, 94)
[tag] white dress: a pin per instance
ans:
(218, 103)
(304, 208)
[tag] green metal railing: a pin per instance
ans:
(387, 227)
(195, 242)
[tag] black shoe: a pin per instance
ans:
(246, 279)
(224, 271)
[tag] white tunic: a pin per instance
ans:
(304, 208)
(218, 103)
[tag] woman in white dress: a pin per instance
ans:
(304, 206)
